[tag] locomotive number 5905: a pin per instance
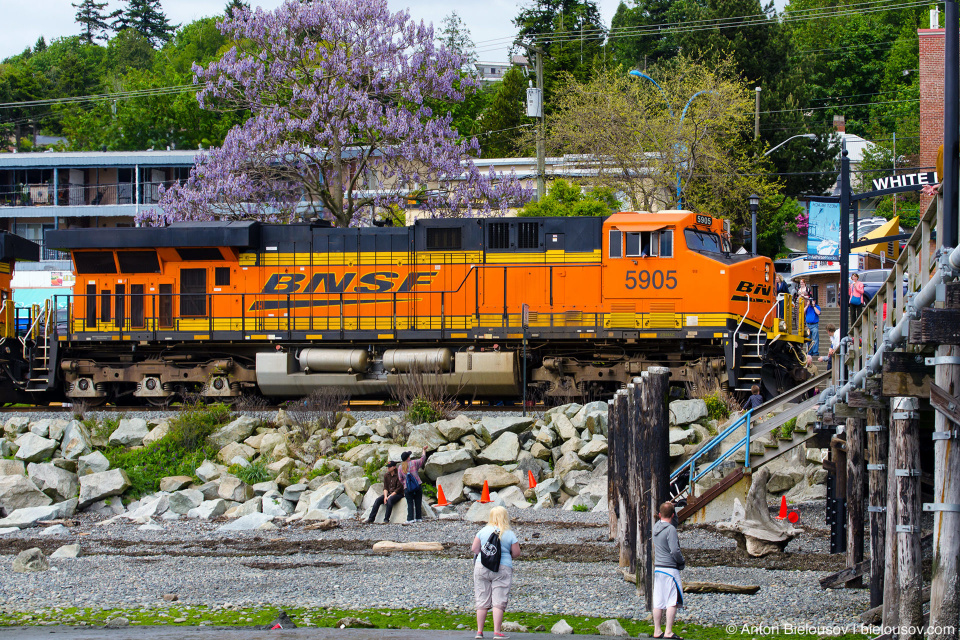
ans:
(655, 279)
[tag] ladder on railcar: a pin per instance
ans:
(40, 349)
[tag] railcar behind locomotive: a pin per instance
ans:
(228, 308)
(15, 370)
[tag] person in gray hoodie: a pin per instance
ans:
(667, 565)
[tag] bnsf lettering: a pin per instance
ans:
(758, 289)
(375, 282)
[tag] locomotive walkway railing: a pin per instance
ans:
(883, 324)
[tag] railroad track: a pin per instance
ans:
(369, 405)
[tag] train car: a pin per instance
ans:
(227, 308)
(14, 369)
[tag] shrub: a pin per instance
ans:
(424, 397)
(254, 473)
(429, 490)
(788, 428)
(180, 452)
(420, 411)
(372, 469)
(319, 410)
(580, 507)
(346, 446)
(775, 432)
(100, 431)
(717, 407)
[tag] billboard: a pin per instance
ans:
(823, 234)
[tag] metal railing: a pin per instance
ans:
(75, 195)
(744, 442)
(883, 324)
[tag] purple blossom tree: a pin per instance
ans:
(338, 94)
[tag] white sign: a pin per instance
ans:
(905, 181)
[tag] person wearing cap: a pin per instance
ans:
(392, 493)
(412, 489)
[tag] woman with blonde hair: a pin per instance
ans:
(492, 588)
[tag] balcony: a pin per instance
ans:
(77, 195)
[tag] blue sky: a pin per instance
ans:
(489, 21)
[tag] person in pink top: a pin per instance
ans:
(412, 489)
(856, 293)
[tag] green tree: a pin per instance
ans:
(235, 5)
(504, 119)
(91, 17)
(640, 50)
(456, 36)
(129, 50)
(570, 199)
(147, 17)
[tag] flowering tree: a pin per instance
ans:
(337, 93)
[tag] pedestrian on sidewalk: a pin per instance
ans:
(492, 588)
(812, 319)
(412, 485)
(667, 565)
(856, 295)
(392, 493)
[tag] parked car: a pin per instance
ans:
(874, 279)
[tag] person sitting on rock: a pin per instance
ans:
(392, 493)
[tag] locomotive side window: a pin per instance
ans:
(633, 244)
(641, 244)
(91, 306)
(193, 289)
(444, 239)
(666, 244)
(200, 253)
(138, 262)
(94, 262)
(221, 277)
(702, 241)
(616, 244)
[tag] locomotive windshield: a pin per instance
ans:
(703, 241)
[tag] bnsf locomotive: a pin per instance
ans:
(225, 309)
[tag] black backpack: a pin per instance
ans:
(490, 552)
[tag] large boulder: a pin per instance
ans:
(129, 433)
(446, 462)
(592, 449)
(326, 496)
(208, 471)
(456, 428)
(30, 561)
(687, 411)
(19, 492)
(781, 481)
(480, 512)
(30, 516)
(681, 436)
(235, 490)
(564, 428)
(175, 483)
(425, 435)
(546, 437)
(592, 417)
(208, 509)
(495, 476)
(570, 462)
(94, 462)
(492, 427)
(236, 431)
(452, 484)
(236, 449)
(34, 448)
(75, 441)
(271, 442)
(503, 450)
(248, 522)
(16, 425)
(184, 500)
(11, 468)
(97, 486)
(53, 481)
(158, 432)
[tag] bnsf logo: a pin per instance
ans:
(375, 282)
(750, 287)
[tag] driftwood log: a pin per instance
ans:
(707, 587)
(389, 545)
(323, 525)
(754, 530)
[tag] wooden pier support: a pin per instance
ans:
(891, 587)
(945, 587)
(906, 420)
(877, 446)
(854, 482)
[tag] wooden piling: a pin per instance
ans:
(643, 467)
(614, 446)
(623, 484)
(877, 441)
(656, 409)
(945, 587)
(907, 438)
(854, 482)
(891, 587)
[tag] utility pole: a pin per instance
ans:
(536, 110)
(756, 118)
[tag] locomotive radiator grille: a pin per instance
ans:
(662, 316)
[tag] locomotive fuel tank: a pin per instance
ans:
(334, 360)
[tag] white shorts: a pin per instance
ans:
(667, 589)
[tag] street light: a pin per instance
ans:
(683, 114)
(810, 136)
(754, 205)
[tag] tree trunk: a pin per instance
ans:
(907, 423)
(945, 587)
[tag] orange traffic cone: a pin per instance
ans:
(485, 495)
(441, 499)
(783, 508)
(531, 480)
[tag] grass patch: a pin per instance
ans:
(255, 473)
(343, 448)
(180, 452)
(381, 619)
(100, 431)
(580, 507)
(371, 470)
(788, 428)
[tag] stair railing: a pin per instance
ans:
(690, 464)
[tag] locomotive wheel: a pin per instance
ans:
(782, 368)
(160, 403)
